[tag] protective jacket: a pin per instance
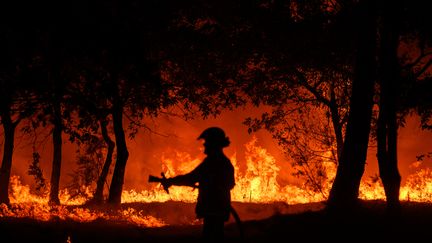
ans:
(215, 179)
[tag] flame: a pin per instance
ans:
(26, 204)
(257, 183)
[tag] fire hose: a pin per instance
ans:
(238, 221)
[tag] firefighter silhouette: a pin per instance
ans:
(214, 178)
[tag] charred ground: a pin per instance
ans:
(297, 223)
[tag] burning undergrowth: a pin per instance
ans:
(257, 195)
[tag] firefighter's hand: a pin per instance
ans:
(165, 182)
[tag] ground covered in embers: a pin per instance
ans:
(289, 223)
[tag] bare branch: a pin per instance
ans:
(418, 59)
(424, 68)
(142, 125)
(311, 89)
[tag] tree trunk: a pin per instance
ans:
(345, 190)
(57, 155)
(387, 121)
(5, 171)
(122, 155)
(337, 125)
(387, 155)
(98, 195)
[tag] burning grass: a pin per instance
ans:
(257, 194)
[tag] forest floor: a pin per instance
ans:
(287, 223)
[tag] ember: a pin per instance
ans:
(257, 184)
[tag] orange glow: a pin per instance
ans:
(257, 183)
(25, 204)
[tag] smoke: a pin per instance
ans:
(170, 135)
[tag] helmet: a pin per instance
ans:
(215, 136)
